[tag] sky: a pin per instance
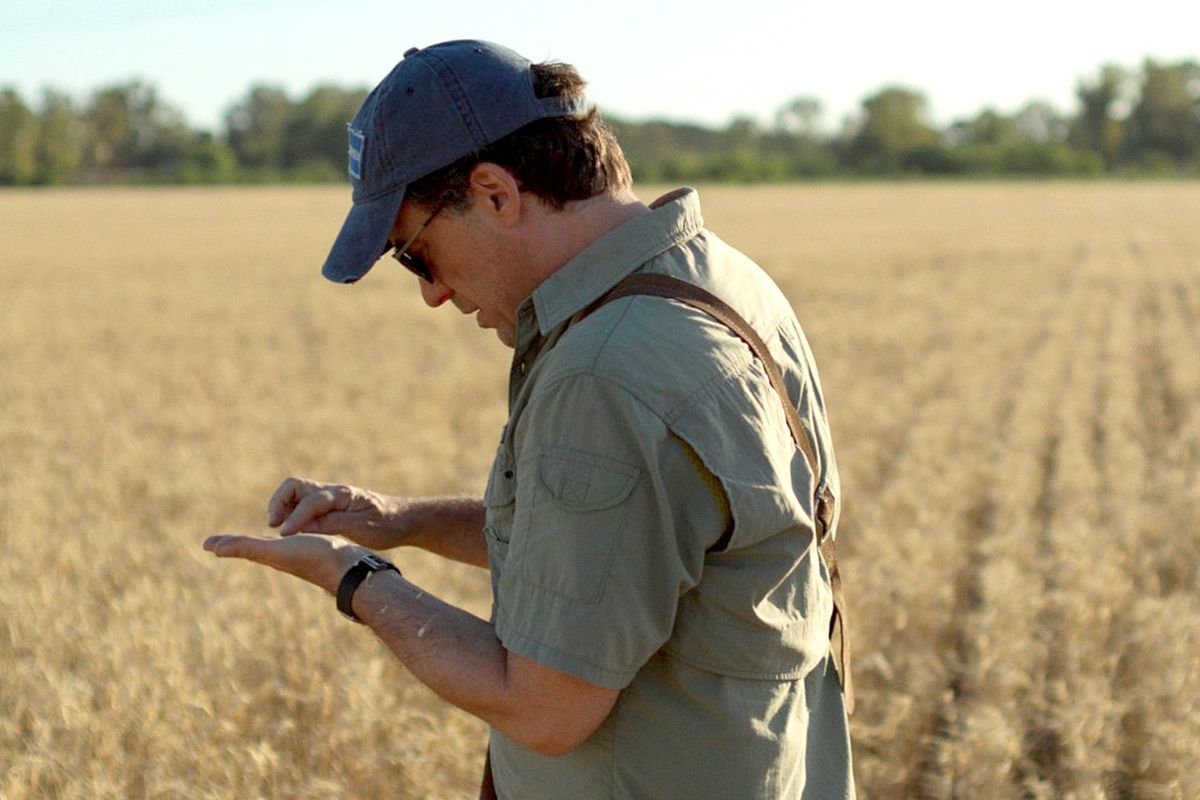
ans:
(699, 61)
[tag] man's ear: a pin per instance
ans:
(498, 190)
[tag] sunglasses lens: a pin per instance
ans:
(416, 266)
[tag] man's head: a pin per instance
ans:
(447, 108)
(558, 159)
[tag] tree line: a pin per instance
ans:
(1126, 122)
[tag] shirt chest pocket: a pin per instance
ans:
(579, 508)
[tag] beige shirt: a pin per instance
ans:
(637, 437)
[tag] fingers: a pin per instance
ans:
(320, 560)
(287, 556)
(226, 546)
(290, 492)
(299, 504)
(307, 514)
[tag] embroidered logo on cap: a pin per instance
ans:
(357, 142)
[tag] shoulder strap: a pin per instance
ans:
(718, 309)
(701, 299)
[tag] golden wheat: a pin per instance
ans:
(1013, 373)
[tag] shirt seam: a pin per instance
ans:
(669, 415)
(667, 240)
(787, 676)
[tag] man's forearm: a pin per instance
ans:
(451, 527)
(459, 657)
(448, 526)
(453, 652)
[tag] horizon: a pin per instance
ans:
(203, 60)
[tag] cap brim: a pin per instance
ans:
(363, 237)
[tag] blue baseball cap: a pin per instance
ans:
(437, 105)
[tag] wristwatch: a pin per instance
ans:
(356, 575)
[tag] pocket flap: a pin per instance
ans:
(581, 481)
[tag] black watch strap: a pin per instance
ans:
(356, 575)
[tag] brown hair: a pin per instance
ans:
(557, 159)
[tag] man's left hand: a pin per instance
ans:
(320, 560)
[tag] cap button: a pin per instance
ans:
(411, 50)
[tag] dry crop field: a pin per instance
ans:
(1013, 373)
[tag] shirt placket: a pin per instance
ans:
(524, 352)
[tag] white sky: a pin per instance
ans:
(700, 60)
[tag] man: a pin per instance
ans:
(661, 612)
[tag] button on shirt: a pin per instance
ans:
(650, 529)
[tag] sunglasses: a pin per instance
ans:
(411, 261)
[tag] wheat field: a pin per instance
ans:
(1013, 376)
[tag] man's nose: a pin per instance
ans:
(434, 294)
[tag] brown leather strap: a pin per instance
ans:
(718, 309)
(701, 299)
(829, 553)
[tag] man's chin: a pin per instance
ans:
(504, 333)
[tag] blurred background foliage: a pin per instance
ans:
(1125, 123)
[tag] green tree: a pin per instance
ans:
(208, 160)
(257, 128)
(131, 130)
(1038, 121)
(18, 139)
(1165, 122)
(62, 137)
(795, 147)
(894, 134)
(992, 127)
(1030, 142)
(668, 151)
(742, 134)
(1095, 128)
(799, 117)
(315, 139)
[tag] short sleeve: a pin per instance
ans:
(613, 517)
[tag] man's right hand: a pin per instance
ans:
(370, 519)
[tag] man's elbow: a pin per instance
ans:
(557, 746)
(555, 740)
(550, 712)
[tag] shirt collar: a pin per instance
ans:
(672, 219)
